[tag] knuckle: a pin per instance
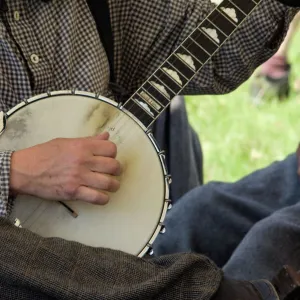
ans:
(70, 190)
(100, 198)
(110, 184)
(112, 149)
(115, 167)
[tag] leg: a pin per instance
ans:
(183, 150)
(270, 244)
(213, 219)
(32, 267)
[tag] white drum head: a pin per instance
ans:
(132, 218)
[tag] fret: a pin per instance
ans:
(168, 81)
(139, 112)
(184, 64)
(149, 104)
(222, 22)
(196, 50)
(185, 56)
(150, 100)
(232, 11)
(213, 32)
(204, 41)
(155, 80)
(158, 92)
(246, 6)
(182, 79)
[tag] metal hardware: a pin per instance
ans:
(150, 250)
(17, 223)
(170, 205)
(162, 229)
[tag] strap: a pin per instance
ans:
(101, 14)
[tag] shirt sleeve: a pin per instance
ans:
(146, 32)
(6, 201)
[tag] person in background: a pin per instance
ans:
(273, 79)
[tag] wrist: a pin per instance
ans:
(18, 180)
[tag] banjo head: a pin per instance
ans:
(133, 218)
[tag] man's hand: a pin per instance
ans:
(67, 169)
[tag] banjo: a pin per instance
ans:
(134, 217)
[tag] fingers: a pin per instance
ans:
(103, 148)
(92, 196)
(100, 182)
(102, 136)
(105, 165)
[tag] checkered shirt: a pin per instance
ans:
(54, 45)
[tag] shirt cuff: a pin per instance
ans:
(6, 201)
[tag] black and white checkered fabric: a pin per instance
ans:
(54, 45)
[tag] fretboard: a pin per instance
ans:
(152, 98)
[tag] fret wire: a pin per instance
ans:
(188, 69)
(191, 44)
(192, 55)
(208, 36)
(200, 46)
(140, 105)
(172, 66)
(170, 77)
(237, 8)
(164, 84)
(200, 37)
(134, 109)
(150, 96)
(242, 5)
(227, 17)
(185, 63)
(161, 93)
(220, 30)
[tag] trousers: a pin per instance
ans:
(250, 228)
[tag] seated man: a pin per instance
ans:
(55, 45)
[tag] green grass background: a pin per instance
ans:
(238, 137)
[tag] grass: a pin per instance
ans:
(238, 137)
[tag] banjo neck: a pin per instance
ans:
(177, 71)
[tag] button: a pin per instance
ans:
(34, 58)
(17, 15)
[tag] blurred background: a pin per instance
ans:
(239, 135)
